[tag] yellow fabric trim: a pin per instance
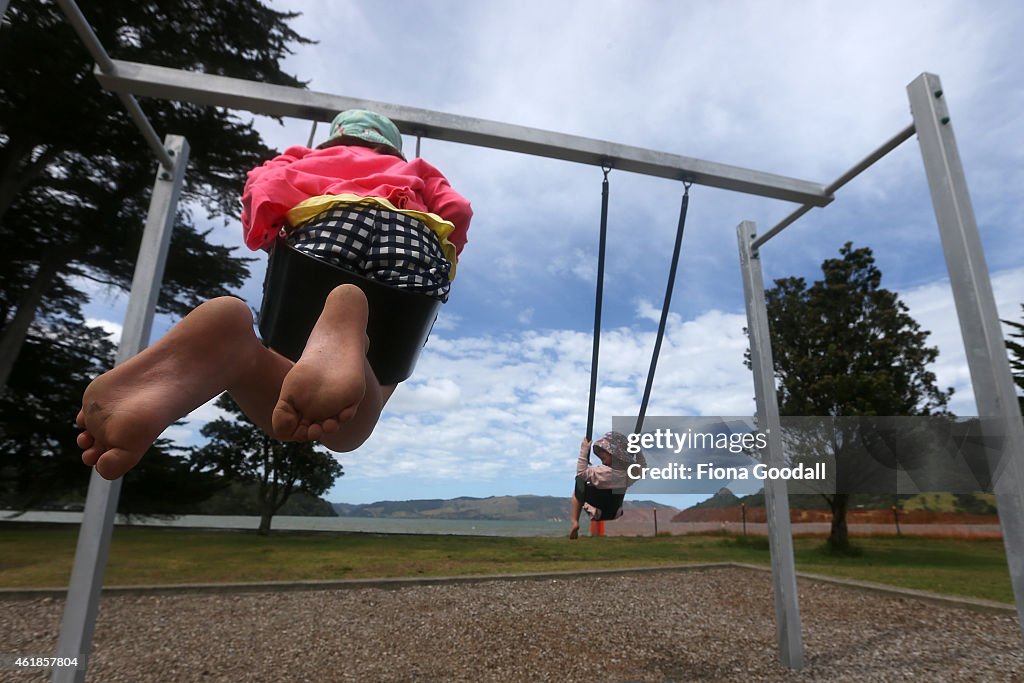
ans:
(307, 210)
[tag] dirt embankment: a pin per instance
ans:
(758, 515)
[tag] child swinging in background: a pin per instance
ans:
(600, 488)
(353, 201)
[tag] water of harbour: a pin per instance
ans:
(460, 527)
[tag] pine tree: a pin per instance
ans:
(238, 450)
(75, 182)
(1016, 349)
(846, 347)
(75, 174)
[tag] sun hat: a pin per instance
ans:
(367, 126)
(614, 444)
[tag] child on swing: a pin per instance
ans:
(354, 201)
(599, 488)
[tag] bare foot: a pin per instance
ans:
(126, 409)
(574, 532)
(121, 420)
(324, 388)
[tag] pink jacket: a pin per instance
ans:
(301, 173)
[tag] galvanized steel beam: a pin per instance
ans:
(975, 304)
(278, 100)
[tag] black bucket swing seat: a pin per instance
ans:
(295, 289)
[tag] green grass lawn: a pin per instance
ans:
(41, 556)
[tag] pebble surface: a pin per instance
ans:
(672, 626)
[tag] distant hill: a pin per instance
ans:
(723, 499)
(529, 508)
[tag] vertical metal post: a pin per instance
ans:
(82, 602)
(780, 537)
(976, 309)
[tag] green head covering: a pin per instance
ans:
(368, 126)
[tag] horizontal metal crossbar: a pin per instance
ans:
(855, 170)
(277, 100)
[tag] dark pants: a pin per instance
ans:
(607, 501)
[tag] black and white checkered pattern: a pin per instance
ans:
(385, 246)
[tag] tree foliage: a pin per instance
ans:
(845, 346)
(75, 173)
(239, 450)
(42, 465)
(1016, 351)
(75, 182)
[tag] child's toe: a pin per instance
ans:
(285, 421)
(91, 455)
(85, 440)
(115, 463)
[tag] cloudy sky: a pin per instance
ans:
(498, 403)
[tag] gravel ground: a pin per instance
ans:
(680, 626)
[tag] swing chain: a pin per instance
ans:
(606, 167)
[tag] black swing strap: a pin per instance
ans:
(664, 308)
(598, 299)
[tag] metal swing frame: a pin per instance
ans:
(972, 288)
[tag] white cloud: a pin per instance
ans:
(182, 435)
(112, 329)
(526, 396)
(447, 322)
(417, 396)
(803, 88)
(933, 307)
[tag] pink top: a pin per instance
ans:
(301, 173)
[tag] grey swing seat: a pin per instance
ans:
(295, 289)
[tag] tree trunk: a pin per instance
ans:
(16, 172)
(14, 333)
(262, 495)
(839, 538)
(272, 497)
(266, 514)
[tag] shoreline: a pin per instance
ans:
(627, 526)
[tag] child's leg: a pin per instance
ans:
(213, 349)
(577, 508)
(574, 516)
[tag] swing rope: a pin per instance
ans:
(598, 300)
(664, 308)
